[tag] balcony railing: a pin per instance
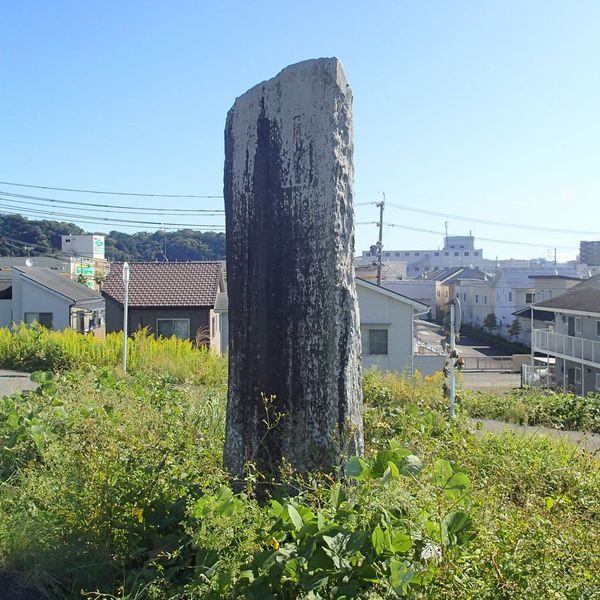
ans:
(567, 346)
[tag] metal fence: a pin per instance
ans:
(538, 376)
(488, 363)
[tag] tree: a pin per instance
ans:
(490, 322)
(515, 328)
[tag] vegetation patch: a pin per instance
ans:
(560, 410)
(111, 486)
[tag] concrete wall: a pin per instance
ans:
(379, 311)
(428, 364)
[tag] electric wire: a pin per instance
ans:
(110, 193)
(23, 197)
(488, 221)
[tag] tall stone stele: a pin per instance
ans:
(294, 343)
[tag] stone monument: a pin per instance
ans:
(294, 343)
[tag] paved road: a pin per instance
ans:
(586, 441)
(469, 347)
(14, 381)
(490, 381)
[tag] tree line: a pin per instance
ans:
(20, 236)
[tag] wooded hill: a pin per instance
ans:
(43, 238)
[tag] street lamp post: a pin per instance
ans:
(125, 312)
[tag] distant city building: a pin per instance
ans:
(458, 250)
(589, 253)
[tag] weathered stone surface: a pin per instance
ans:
(294, 329)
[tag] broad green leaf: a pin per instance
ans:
(457, 527)
(356, 468)
(401, 576)
(411, 465)
(391, 472)
(401, 542)
(378, 540)
(442, 471)
(295, 517)
(458, 484)
(338, 495)
(276, 508)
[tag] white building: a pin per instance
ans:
(49, 298)
(573, 337)
(458, 250)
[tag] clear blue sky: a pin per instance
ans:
(483, 109)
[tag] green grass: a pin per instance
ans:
(111, 485)
(559, 410)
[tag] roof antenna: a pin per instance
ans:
(165, 244)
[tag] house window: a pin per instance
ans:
(577, 374)
(446, 253)
(42, 318)
(417, 269)
(377, 341)
(597, 328)
(466, 254)
(386, 253)
(465, 296)
(397, 253)
(510, 296)
(417, 253)
(436, 253)
(407, 254)
(476, 253)
(476, 298)
(529, 297)
(578, 325)
(456, 253)
(180, 328)
(598, 380)
(485, 299)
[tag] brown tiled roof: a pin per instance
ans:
(165, 284)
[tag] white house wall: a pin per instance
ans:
(29, 297)
(5, 313)
(379, 311)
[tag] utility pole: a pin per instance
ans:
(125, 312)
(380, 241)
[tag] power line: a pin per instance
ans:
(110, 206)
(510, 242)
(97, 219)
(488, 221)
(114, 209)
(62, 189)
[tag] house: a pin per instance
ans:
(45, 296)
(387, 324)
(170, 299)
(573, 338)
(388, 331)
(546, 287)
(448, 280)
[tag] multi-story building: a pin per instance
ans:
(572, 338)
(589, 253)
(458, 250)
